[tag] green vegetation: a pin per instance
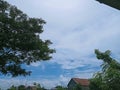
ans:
(20, 43)
(35, 86)
(12, 87)
(109, 77)
(78, 87)
(60, 88)
(38, 86)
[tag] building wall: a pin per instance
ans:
(72, 84)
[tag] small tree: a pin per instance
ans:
(60, 88)
(20, 43)
(38, 86)
(12, 87)
(21, 87)
(109, 77)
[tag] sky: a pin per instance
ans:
(76, 28)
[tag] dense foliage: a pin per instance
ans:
(60, 88)
(35, 86)
(20, 42)
(109, 77)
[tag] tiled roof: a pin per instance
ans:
(84, 82)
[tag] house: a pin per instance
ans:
(84, 83)
(112, 3)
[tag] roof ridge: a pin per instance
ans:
(81, 81)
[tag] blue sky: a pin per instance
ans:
(76, 28)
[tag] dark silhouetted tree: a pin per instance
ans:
(20, 42)
(21, 87)
(12, 88)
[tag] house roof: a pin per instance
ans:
(84, 82)
(112, 3)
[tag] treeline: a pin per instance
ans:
(35, 86)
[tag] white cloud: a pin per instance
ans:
(76, 27)
(6, 83)
(47, 83)
(77, 45)
(35, 64)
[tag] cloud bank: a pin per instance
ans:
(76, 28)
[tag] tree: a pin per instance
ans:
(109, 77)
(60, 88)
(112, 3)
(12, 88)
(37, 85)
(21, 87)
(20, 42)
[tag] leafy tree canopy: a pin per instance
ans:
(109, 77)
(12, 88)
(60, 88)
(20, 41)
